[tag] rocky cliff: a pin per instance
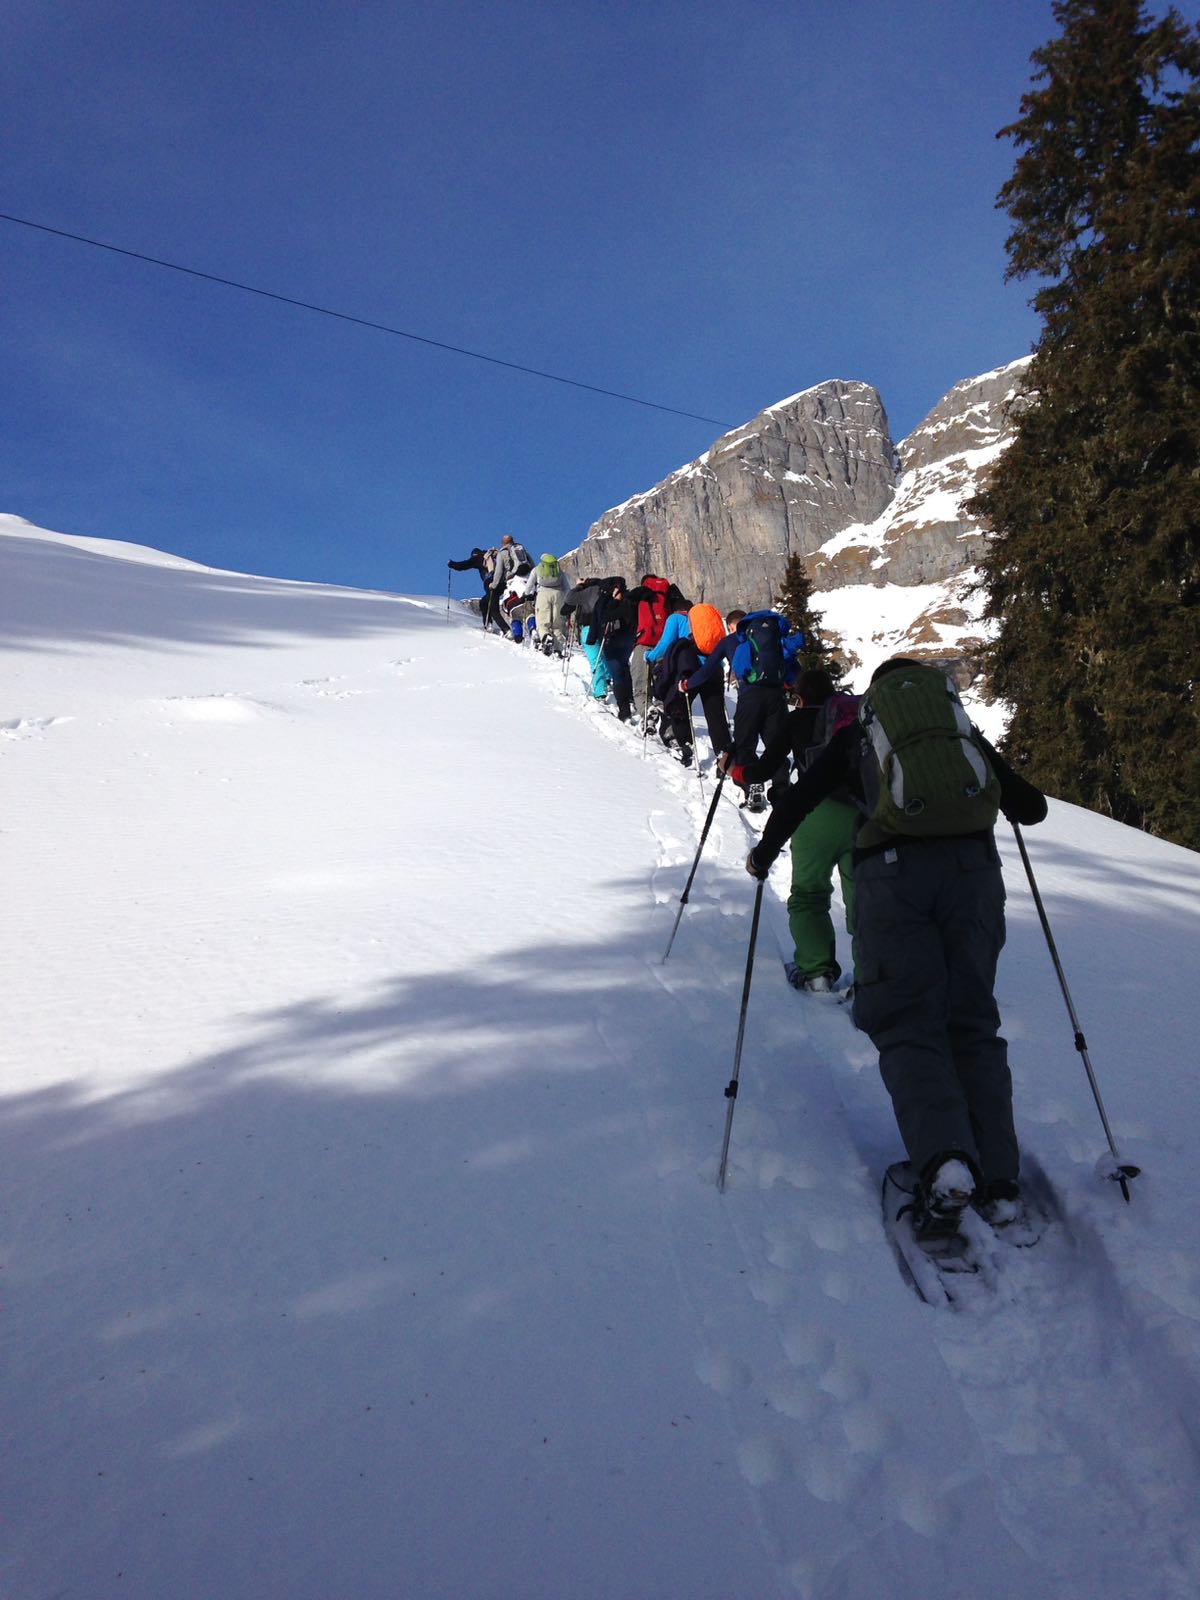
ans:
(723, 526)
(818, 474)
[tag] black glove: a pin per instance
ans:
(755, 871)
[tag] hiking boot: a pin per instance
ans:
(756, 799)
(1000, 1204)
(939, 1203)
(814, 982)
(685, 754)
(653, 719)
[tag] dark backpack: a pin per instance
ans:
(838, 712)
(766, 649)
(680, 661)
(924, 771)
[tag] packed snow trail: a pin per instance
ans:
(1059, 1376)
(360, 1233)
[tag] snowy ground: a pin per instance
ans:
(358, 1225)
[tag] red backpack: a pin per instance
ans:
(652, 613)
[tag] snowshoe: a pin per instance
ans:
(756, 799)
(938, 1206)
(1005, 1210)
(938, 1265)
(812, 982)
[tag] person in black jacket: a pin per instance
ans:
(475, 562)
(579, 605)
(929, 919)
(616, 617)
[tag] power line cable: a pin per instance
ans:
(361, 322)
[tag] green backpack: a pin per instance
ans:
(925, 773)
(548, 569)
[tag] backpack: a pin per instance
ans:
(766, 649)
(680, 661)
(549, 575)
(708, 628)
(652, 614)
(838, 712)
(925, 773)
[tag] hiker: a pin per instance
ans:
(656, 599)
(510, 557)
(701, 629)
(761, 648)
(616, 616)
(547, 588)
(824, 841)
(518, 607)
(929, 920)
(476, 562)
(579, 603)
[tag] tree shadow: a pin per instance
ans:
(356, 1304)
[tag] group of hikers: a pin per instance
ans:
(894, 790)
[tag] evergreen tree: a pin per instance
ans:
(795, 603)
(1093, 576)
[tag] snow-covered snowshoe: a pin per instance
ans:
(942, 1253)
(1012, 1215)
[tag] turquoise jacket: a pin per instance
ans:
(678, 627)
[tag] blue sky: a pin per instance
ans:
(709, 205)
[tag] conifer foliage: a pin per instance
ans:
(795, 602)
(1093, 577)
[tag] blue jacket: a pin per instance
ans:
(713, 663)
(677, 627)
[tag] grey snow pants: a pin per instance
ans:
(930, 927)
(637, 668)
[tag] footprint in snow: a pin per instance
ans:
(29, 727)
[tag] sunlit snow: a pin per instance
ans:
(360, 1231)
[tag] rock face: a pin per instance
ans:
(723, 526)
(818, 474)
(925, 536)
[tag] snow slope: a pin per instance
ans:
(358, 1225)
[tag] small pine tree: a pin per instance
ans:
(1093, 576)
(795, 603)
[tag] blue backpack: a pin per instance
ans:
(767, 649)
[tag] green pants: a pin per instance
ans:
(823, 841)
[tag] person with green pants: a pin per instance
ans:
(823, 842)
(821, 845)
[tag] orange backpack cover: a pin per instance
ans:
(708, 628)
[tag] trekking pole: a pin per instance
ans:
(695, 749)
(1121, 1171)
(688, 886)
(567, 652)
(731, 1088)
(448, 595)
